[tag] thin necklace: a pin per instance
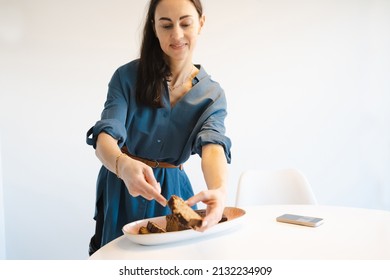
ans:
(172, 88)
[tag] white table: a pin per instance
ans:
(347, 233)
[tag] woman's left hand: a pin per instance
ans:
(215, 201)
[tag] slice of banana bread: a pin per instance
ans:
(185, 214)
(143, 230)
(202, 213)
(154, 228)
(173, 224)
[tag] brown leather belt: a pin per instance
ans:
(151, 163)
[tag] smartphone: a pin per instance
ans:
(300, 220)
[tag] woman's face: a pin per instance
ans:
(177, 25)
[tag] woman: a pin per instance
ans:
(160, 109)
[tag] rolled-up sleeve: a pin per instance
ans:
(110, 126)
(213, 128)
(113, 117)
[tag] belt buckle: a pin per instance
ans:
(157, 164)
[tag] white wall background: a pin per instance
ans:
(307, 84)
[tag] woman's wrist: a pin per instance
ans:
(119, 164)
(221, 190)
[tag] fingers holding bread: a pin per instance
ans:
(183, 217)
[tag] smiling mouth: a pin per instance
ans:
(178, 46)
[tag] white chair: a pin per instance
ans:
(2, 216)
(285, 186)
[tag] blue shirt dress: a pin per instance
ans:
(168, 134)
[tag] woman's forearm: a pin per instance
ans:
(107, 151)
(214, 166)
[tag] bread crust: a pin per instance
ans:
(185, 214)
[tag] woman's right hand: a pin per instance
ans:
(139, 179)
(137, 176)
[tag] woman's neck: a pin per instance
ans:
(180, 72)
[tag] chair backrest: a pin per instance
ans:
(285, 186)
(2, 218)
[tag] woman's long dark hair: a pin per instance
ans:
(153, 69)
